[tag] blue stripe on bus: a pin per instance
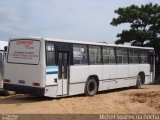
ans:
(51, 67)
(53, 72)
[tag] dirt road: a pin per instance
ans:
(122, 101)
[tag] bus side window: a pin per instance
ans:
(122, 55)
(109, 55)
(80, 54)
(133, 56)
(143, 56)
(50, 54)
(95, 55)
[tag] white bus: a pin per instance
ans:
(2, 45)
(56, 68)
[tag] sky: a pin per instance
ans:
(85, 20)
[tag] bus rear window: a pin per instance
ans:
(24, 51)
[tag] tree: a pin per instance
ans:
(144, 29)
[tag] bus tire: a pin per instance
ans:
(91, 87)
(139, 82)
(7, 93)
(3, 92)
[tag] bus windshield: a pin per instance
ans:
(24, 51)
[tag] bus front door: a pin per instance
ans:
(63, 68)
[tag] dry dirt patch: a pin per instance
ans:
(150, 98)
(121, 101)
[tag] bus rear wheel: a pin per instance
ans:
(139, 82)
(91, 87)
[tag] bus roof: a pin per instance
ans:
(82, 42)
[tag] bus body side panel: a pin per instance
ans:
(122, 74)
(51, 91)
(133, 73)
(78, 77)
(109, 72)
(133, 70)
(96, 70)
(1, 69)
(146, 69)
(51, 75)
(122, 71)
(119, 76)
(51, 81)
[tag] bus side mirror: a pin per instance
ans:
(5, 48)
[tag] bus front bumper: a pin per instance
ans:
(24, 89)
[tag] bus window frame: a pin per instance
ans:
(101, 62)
(87, 63)
(24, 63)
(51, 51)
(140, 50)
(103, 47)
(127, 56)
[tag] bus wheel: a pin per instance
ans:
(6, 93)
(91, 87)
(139, 82)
